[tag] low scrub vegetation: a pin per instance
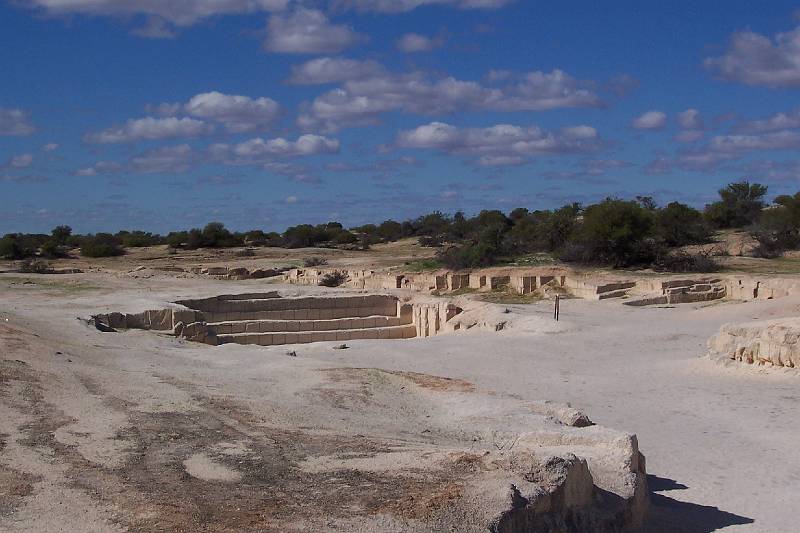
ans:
(614, 232)
(333, 279)
(314, 261)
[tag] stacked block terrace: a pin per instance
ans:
(268, 319)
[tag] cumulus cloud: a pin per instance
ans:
(261, 151)
(362, 100)
(690, 120)
(21, 161)
(154, 28)
(399, 6)
(692, 126)
(50, 147)
(777, 122)
(296, 173)
(414, 42)
(774, 170)
(334, 69)
(651, 120)
(735, 144)
(148, 129)
(101, 168)
(165, 160)
(307, 31)
(500, 145)
(239, 114)
(23, 179)
(15, 122)
(756, 59)
(177, 12)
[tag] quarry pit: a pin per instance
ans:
(445, 411)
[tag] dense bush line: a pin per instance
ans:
(613, 232)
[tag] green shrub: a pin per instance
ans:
(685, 262)
(34, 266)
(314, 261)
(61, 234)
(778, 228)
(481, 254)
(678, 224)
(333, 279)
(11, 247)
(615, 233)
(101, 245)
(138, 239)
(51, 249)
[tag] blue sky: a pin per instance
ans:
(143, 114)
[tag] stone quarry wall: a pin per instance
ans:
(267, 319)
(522, 281)
(636, 291)
(762, 342)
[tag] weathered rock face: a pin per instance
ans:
(764, 342)
(267, 319)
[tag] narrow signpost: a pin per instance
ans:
(557, 307)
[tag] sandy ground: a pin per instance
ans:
(721, 441)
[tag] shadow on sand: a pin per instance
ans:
(668, 515)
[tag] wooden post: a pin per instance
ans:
(557, 308)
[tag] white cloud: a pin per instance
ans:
(15, 122)
(50, 147)
(502, 144)
(690, 120)
(297, 173)
(178, 12)
(307, 31)
(778, 121)
(414, 42)
(155, 28)
(101, 168)
(735, 144)
(399, 6)
(774, 170)
(260, 151)
(651, 120)
(362, 100)
(166, 160)
(692, 126)
(755, 59)
(291, 200)
(239, 114)
(334, 69)
(150, 128)
(21, 161)
(23, 179)
(689, 136)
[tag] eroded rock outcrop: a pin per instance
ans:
(763, 342)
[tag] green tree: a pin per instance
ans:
(678, 224)
(779, 227)
(615, 232)
(61, 234)
(740, 205)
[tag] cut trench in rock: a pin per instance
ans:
(268, 319)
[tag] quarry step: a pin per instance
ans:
(269, 326)
(612, 294)
(239, 305)
(300, 337)
(303, 314)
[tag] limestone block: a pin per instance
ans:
(763, 342)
